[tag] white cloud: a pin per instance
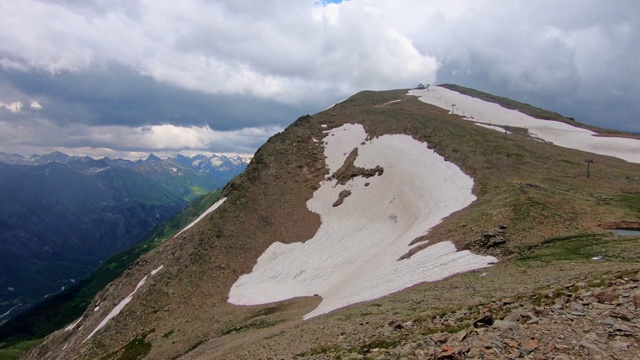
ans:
(563, 54)
(220, 48)
(43, 136)
(276, 51)
(14, 107)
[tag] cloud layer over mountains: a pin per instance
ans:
(126, 77)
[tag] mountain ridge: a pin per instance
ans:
(62, 215)
(536, 194)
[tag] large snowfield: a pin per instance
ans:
(556, 132)
(354, 255)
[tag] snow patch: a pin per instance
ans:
(390, 102)
(354, 255)
(155, 271)
(120, 306)
(555, 132)
(205, 213)
(216, 161)
(117, 309)
(98, 170)
(73, 325)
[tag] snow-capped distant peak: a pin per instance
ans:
(216, 160)
(235, 159)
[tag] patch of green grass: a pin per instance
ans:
(570, 162)
(529, 209)
(566, 248)
(320, 350)
(515, 155)
(560, 239)
(584, 247)
(15, 351)
(198, 190)
(137, 348)
(630, 201)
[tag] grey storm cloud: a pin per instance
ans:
(116, 77)
(118, 95)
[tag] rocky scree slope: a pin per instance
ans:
(533, 195)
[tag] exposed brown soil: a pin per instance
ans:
(341, 196)
(348, 170)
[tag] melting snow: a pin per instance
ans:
(121, 305)
(70, 327)
(556, 132)
(155, 271)
(205, 213)
(390, 102)
(354, 255)
(117, 309)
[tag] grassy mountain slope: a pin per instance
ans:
(61, 309)
(59, 223)
(538, 191)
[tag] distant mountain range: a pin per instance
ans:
(61, 215)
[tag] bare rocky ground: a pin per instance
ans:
(593, 315)
(582, 320)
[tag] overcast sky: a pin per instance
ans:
(129, 77)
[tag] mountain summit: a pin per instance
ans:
(383, 219)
